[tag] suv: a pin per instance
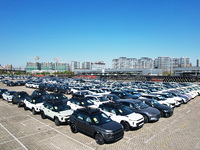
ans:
(33, 104)
(97, 124)
(57, 110)
(97, 99)
(80, 103)
(123, 115)
(19, 97)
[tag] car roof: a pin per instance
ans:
(89, 110)
(128, 100)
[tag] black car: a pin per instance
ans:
(81, 94)
(62, 89)
(134, 93)
(10, 83)
(96, 124)
(149, 113)
(19, 83)
(55, 97)
(124, 95)
(19, 97)
(38, 93)
(165, 111)
(2, 91)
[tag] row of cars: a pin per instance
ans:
(104, 115)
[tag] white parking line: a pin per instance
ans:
(163, 129)
(14, 137)
(147, 141)
(60, 132)
(55, 146)
(188, 111)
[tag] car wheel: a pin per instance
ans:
(18, 105)
(126, 126)
(25, 108)
(73, 128)
(57, 122)
(145, 119)
(161, 114)
(99, 139)
(33, 111)
(43, 116)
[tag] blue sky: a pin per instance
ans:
(98, 30)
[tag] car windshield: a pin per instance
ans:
(102, 99)
(61, 107)
(22, 95)
(87, 103)
(141, 105)
(123, 110)
(161, 98)
(126, 94)
(101, 118)
(38, 100)
(155, 103)
(59, 97)
(169, 95)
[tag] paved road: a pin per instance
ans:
(20, 130)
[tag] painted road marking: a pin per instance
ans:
(188, 111)
(183, 125)
(60, 132)
(14, 137)
(147, 141)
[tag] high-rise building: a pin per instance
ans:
(30, 66)
(184, 62)
(145, 62)
(46, 66)
(75, 65)
(198, 62)
(60, 67)
(164, 63)
(87, 65)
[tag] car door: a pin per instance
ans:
(87, 124)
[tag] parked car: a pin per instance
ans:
(56, 110)
(33, 104)
(111, 97)
(165, 111)
(97, 99)
(150, 114)
(80, 103)
(55, 97)
(2, 91)
(81, 94)
(19, 97)
(8, 95)
(123, 115)
(124, 95)
(39, 93)
(96, 124)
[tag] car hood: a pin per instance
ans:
(111, 126)
(150, 110)
(131, 97)
(66, 112)
(163, 107)
(135, 116)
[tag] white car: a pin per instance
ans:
(170, 98)
(80, 103)
(8, 95)
(159, 98)
(58, 111)
(98, 92)
(33, 104)
(123, 115)
(97, 99)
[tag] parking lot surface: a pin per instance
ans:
(21, 130)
